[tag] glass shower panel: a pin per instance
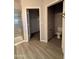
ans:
(18, 29)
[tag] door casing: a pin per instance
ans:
(28, 22)
(63, 22)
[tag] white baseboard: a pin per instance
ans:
(45, 41)
(19, 43)
(19, 37)
(27, 41)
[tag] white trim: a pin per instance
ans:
(43, 41)
(18, 37)
(39, 19)
(53, 3)
(19, 42)
(32, 7)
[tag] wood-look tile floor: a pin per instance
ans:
(35, 49)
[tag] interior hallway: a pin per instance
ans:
(35, 49)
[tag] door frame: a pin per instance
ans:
(39, 20)
(63, 22)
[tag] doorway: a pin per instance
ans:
(55, 13)
(33, 24)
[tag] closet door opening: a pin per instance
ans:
(33, 24)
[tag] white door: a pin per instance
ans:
(63, 28)
(28, 23)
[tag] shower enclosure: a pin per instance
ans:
(18, 28)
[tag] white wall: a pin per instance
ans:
(47, 1)
(31, 4)
(17, 4)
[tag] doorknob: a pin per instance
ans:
(63, 14)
